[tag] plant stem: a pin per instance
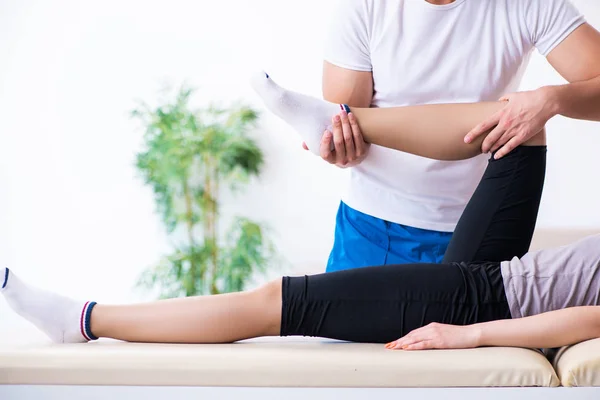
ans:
(206, 206)
(214, 212)
(211, 217)
(189, 216)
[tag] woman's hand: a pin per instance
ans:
(350, 147)
(438, 336)
(523, 117)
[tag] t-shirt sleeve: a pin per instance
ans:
(549, 22)
(347, 39)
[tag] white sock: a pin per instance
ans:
(63, 319)
(309, 116)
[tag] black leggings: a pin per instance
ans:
(380, 304)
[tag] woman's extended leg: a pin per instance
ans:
(204, 319)
(433, 131)
(222, 318)
(364, 305)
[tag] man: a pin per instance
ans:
(401, 208)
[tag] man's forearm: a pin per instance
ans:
(580, 100)
(548, 330)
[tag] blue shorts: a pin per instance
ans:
(362, 240)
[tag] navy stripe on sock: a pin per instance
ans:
(5, 278)
(87, 317)
(346, 108)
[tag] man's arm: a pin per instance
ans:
(354, 88)
(548, 330)
(577, 59)
(346, 86)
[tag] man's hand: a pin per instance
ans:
(523, 117)
(438, 336)
(350, 147)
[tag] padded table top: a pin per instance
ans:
(579, 365)
(286, 362)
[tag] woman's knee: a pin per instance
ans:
(269, 300)
(271, 292)
(537, 140)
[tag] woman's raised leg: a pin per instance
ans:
(434, 131)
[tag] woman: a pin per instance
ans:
(487, 291)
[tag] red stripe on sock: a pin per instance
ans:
(81, 322)
(342, 107)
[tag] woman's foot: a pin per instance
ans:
(64, 320)
(309, 116)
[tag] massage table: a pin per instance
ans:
(299, 368)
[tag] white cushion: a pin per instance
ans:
(548, 238)
(289, 362)
(579, 365)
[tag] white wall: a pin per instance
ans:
(75, 217)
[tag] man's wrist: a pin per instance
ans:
(553, 99)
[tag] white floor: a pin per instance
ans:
(14, 392)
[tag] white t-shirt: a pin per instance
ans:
(419, 53)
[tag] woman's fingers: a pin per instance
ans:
(348, 138)
(348, 148)
(422, 345)
(360, 145)
(338, 139)
(439, 336)
(413, 337)
(325, 150)
(422, 338)
(412, 344)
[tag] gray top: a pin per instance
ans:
(553, 279)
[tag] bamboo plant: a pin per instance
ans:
(189, 158)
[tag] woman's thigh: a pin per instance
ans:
(384, 303)
(500, 218)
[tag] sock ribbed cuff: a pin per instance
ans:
(6, 272)
(84, 321)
